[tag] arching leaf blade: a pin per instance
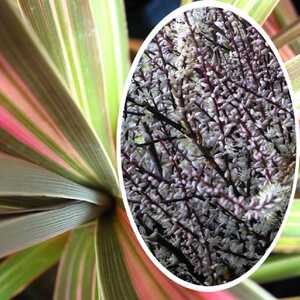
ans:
(87, 40)
(25, 65)
(24, 179)
(76, 278)
(19, 270)
(20, 232)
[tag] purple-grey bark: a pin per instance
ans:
(208, 146)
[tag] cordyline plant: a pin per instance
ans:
(208, 146)
(62, 68)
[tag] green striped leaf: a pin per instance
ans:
(257, 9)
(39, 120)
(76, 278)
(284, 268)
(87, 40)
(19, 270)
(112, 276)
(19, 232)
(24, 179)
(249, 290)
(293, 66)
(290, 238)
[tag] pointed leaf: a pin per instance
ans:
(19, 232)
(87, 41)
(112, 277)
(76, 278)
(21, 178)
(19, 270)
(31, 93)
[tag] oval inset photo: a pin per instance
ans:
(207, 146)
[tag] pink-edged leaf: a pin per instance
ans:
(272, 27)
(76, 278)
(39, 120)
(113, 280)
(148, 281)
(87, 41)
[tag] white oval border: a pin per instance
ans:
(152, 34)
